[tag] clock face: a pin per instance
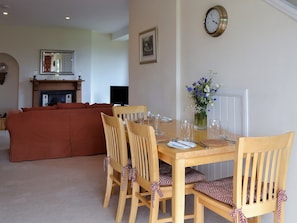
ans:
(216, 20)
(212, 21)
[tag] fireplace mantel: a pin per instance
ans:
(54, 85)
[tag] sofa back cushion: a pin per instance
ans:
(68, 106)
(45, 108)
(72, 105)
(101, 105)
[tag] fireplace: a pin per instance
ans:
(49, 92)
(49, 98)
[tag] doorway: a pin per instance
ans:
(10, 87)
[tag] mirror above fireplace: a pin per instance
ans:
(57, 62)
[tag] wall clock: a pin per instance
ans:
(216, 20)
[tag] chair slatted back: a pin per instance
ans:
(260, 172)
(148, 187)
(129, 112)
(116, 143)
(144, 153)
(116, 162)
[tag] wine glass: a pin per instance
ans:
(149, 117)
(214, 128)
(140, 117)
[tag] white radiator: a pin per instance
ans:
(231, 108)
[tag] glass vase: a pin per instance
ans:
(200, 120)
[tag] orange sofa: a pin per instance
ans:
(63, 130)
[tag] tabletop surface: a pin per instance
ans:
(171, 130)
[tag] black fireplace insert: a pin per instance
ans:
(49, 98)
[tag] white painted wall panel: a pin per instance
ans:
(231, 108)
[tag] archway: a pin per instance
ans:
(10, 88)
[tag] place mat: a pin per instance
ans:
(214, 142)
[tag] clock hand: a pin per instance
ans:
(215, 22)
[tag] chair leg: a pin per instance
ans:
(163, 206)
(154, 209)
(134, 203)
(281, 216)
(198, 211)
(108, 189)
(255, 219)
(122, 200)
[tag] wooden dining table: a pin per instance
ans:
(179, 159)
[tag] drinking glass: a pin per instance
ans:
(214, 128)
(224, 129)
(186, 130)
(157, 118)
(140, 117)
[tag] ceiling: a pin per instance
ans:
(104, 16)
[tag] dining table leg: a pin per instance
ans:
(178, 196)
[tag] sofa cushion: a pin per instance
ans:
(87, 134)
(72, 105)
(45, 108)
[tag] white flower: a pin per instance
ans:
(207, 89)
(203, 93)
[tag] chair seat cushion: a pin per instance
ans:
(220, 190)
(191, 176)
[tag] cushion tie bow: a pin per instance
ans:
(155, 188)
(235, 213)
(281, 196)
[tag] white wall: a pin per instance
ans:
(24, 44)
(109, 66)
(258, 51)
(160, 76)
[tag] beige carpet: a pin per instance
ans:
(66, 190)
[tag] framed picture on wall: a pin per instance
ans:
(148, 46)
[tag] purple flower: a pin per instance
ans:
(202, 93)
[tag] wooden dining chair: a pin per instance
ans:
(149, 186)
(116, 162)
(129, 112)
(257, 187)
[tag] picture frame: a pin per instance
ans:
(148, 46)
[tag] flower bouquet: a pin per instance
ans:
(202, 92)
